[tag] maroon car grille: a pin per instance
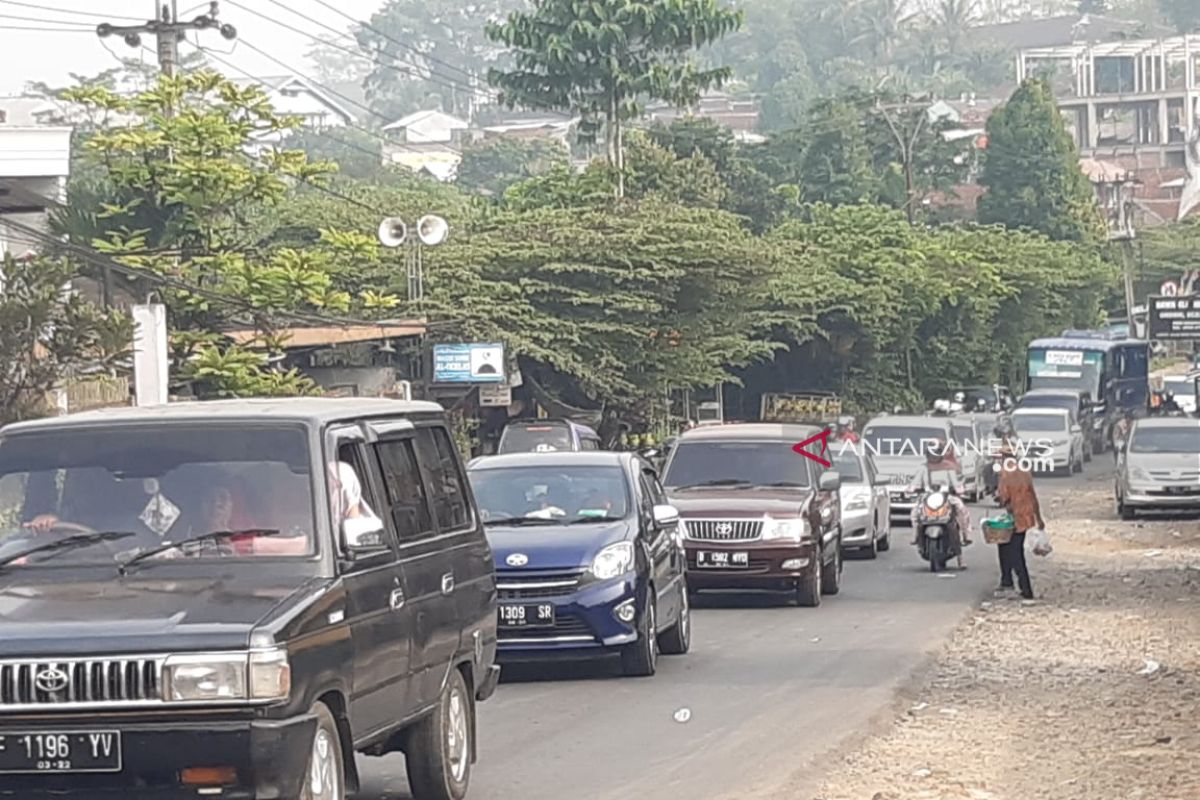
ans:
(724, 530)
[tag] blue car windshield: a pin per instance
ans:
(551, 492)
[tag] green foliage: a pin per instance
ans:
(492, 165)
(655, 171)
(356, 154)
(602, 59)
(47, 335)
(836, 165)
(179, 193)
(1031, 170)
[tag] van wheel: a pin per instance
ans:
(1078, 466)
(885, 542)
(678, 640)
(326, 778)
(640, 659)
(441, 746)
(808, 590)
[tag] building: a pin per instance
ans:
(35, 161)
(557, 127)
(740, 114)
(294, 96)
(428, 142)
(1134, 104)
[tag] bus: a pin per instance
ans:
(1112, 370)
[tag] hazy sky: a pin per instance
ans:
(27, 55)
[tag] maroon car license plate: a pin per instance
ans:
(721, 559)
(526, 615)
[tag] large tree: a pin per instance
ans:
(1031, 170)
(175, 202)
(602, 59)
(836, 164)
(492, 165)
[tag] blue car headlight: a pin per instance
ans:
(614, 560)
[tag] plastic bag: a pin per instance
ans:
(1038, 541)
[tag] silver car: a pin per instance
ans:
(898, 444)
(1055, 432)
(1159, 467)
(864, 498)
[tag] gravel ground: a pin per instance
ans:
(1090, 693)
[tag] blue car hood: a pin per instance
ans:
(557, 546)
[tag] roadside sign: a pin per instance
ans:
(1175, 318)
(495, 395)
(1169, 289)
(468, 363)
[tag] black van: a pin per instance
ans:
(230, 599)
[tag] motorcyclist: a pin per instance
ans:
(1169, 405)
(939, 459)
(845, 430)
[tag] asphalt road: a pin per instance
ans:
(769, 690)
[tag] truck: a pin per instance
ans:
(810, 408)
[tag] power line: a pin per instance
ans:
(81, 25)
(5, 28)
(69, 11)
(446, 82)
(392, 39)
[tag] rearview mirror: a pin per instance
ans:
(830, 481)
(363, 534)
(666, 516)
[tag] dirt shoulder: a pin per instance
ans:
(1091, 693)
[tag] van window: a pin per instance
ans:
(451, 508)
(350, 490)
(408, 504)
(536, 437)
(589, 444)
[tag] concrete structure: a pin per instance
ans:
(737, 113)
(428, 142)
(34, 164)
(294, 96)
(1135, 104)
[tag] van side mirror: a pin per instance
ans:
(666, 517)
(830, 481)
(363, 535)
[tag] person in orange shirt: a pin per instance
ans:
(1017, 495)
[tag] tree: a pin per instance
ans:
(175, 198)
(430, 49)
(356, 154)
(47, 335)
(603, 59)
(1031, 170)
(334, 64)
(836, 165)
(492, 165)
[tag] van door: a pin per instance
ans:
(443, 564)
(376, 609)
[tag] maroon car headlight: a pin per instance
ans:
(786, 530)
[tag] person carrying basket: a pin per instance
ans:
(1017, 495)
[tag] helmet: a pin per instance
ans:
(941, 406)
(846, 422)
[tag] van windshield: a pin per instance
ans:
(734, 464)
(1039, 423)
(139, 488)
(1183, 439)
(543, 437)
(901, 441)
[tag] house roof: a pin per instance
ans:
(1051, 31)
(278, 83)
(333, 335)
(417, 117)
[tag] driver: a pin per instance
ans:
(845, 430)
(938, 459)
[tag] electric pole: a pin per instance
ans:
(168, 31)
(907, 145)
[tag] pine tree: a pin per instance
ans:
(1031, 170)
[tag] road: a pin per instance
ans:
(770, 690)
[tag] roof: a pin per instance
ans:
(560, 458)
(1166, 422)
(1103, 345)
(732, 431)
(1174, 48)
(295, 409)
(1061, 30)
(516, 423)
(277, 83)
(1042, 410)
(421, 116)
(332, 335)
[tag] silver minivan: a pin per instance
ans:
(1159, 467)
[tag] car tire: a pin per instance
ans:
(326, 777)
(1125, 512)
(678, 640)
(871, 551)
(640, 659)
(885, 542)
(441, 746)
(808, 589)
(831, 576)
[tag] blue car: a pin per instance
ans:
(589, 557)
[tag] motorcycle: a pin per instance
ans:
(937, 528)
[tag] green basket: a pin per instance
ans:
(998, 530)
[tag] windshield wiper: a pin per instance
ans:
(738, 482)
(519, 521)
(67, 543)
(784, 484)
(215, 536)
(586, 520)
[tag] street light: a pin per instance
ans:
(432, 231)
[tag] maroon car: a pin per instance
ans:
(758, 515)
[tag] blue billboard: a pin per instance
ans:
(468, 363)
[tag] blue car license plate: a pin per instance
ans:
(60, 751)
(720, 559)
(526, 615)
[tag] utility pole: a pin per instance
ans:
(167, 30)
(907, 145)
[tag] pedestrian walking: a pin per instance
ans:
(1016, 493)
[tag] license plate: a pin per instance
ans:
(60, 751)
(721, 559)
(532, 615)
(1181, 490)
